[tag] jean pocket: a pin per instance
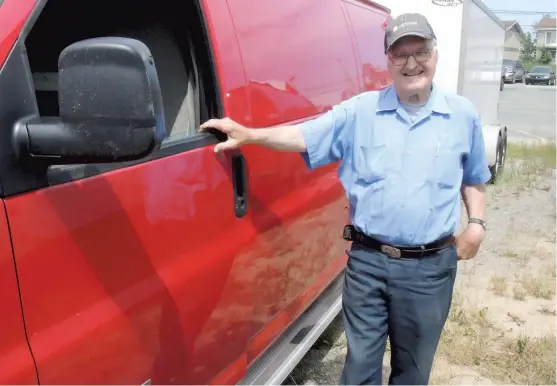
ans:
(439, 266)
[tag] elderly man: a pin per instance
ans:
(406, 155)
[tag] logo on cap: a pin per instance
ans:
(402, 25)
(447, 3)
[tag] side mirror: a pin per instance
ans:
(110, 107)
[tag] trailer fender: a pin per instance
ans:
(494, 136)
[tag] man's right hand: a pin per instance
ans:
(282, 138)
(238, 135)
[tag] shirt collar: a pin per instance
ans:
(388, 101)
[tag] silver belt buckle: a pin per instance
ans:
(391, 251)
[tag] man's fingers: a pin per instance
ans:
(218, 124)
(227, 145)
(207, 124)
(218, 148)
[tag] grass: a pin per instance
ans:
(527, 360)
(519, 293)
(511, 255)
(499, 285)
(526, 162)
(471, 339)
(544, 310)
(542, 153)
(540, 286)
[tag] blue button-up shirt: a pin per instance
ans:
(402, 176)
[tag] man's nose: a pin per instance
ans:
(411, 62)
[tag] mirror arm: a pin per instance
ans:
(52, 141)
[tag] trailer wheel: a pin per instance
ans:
(503, 153)
(500, 157)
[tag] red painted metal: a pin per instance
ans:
(292, 75)
(16, 363)
(13, 15)
(145, 273)
(368, 26)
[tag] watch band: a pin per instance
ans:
(474, 220)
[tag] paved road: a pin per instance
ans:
(528, 111)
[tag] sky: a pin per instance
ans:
(525, 21)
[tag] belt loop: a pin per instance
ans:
(423, 250)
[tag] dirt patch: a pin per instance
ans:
(501, 328)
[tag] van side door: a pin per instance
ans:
(299, 62)
(130, 273)
(16, 362)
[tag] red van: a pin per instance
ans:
(131, 253)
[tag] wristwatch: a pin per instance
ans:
(474, 220)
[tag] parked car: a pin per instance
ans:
(513, 71)
(541, 75)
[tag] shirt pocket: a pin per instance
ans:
(447, 167)
(371, 163)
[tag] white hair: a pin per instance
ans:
(432, 43)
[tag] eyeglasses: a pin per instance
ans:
(401, 59)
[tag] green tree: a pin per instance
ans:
(528, 50)
(545, 56)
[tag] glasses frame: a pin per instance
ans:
(394, 60)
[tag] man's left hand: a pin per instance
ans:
(468, 242)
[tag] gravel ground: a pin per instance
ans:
(509, 287)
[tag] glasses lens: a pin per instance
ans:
(399, 59)
(422, 56)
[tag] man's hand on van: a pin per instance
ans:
(238, 135)
(282, 138)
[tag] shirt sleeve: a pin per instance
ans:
(476, 169)
(326, 137)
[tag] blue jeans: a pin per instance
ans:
(405, 299)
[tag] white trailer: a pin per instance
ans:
(470, 41)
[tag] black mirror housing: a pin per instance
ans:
(110, 107)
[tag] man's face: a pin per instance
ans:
(412, 63)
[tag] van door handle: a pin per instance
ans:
(240, 185)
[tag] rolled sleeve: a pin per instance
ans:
(476, 169)
(326, 137)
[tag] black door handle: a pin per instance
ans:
(240, 185)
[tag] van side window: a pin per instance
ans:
(170, 28)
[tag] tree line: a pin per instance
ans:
(529, 52)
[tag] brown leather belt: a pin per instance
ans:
(351, 234)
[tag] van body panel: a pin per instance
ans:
(16, 363)
(368, 24)
(13, 15)
(136, 275)
(227, 60)
(299, 62)
(127, 276)
(297, 57)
